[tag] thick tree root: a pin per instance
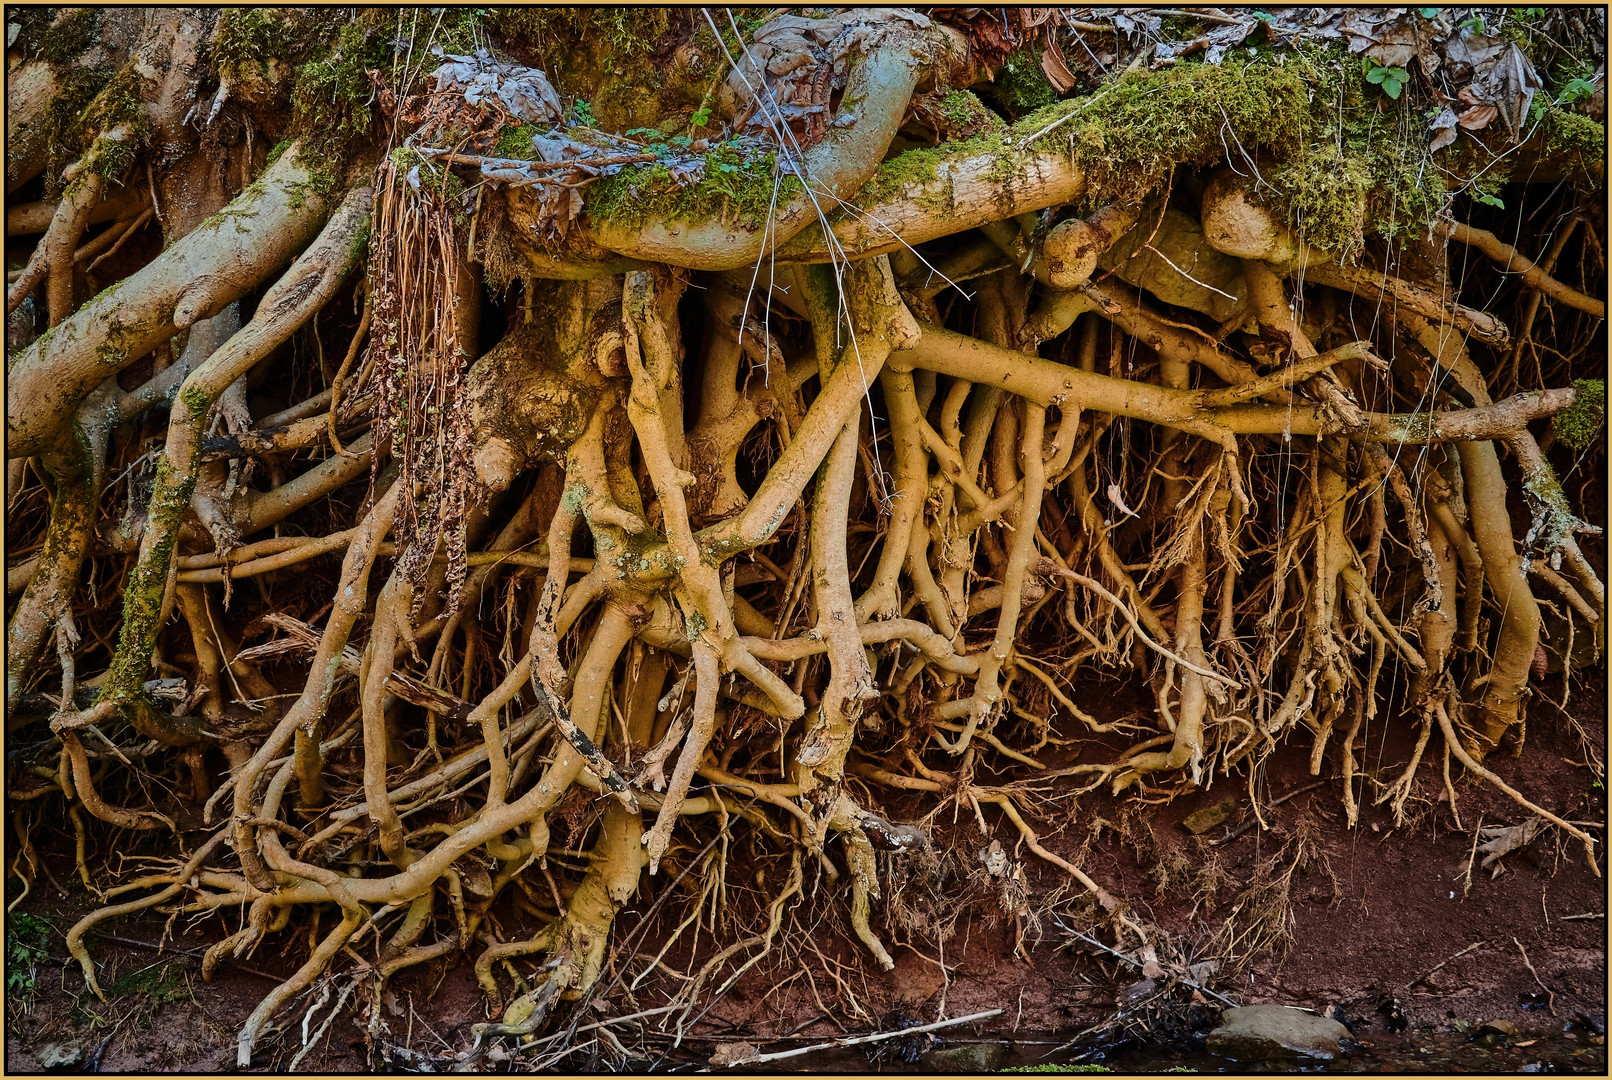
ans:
(694, 566)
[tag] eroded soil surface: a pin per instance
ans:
(1381, 915)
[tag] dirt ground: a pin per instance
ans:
(1381, 914)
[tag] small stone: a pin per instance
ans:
(968, 1058)
(734, 1053)
(62, 1055)
(1201, 821)
(1266, 1032)
(1138, 991)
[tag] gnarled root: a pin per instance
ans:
(576, 942)
(884, 514)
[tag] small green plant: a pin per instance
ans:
(1576, 90)
(1573, 90)
(701, 117)
(1391, 79)
(1053, 1067)
(27, 946)
(582, 113)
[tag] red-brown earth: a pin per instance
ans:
(1376, 912)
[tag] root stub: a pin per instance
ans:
(671, 524)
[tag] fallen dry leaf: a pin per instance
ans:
(1478, 117)
(1056, 71)
(1443, 128)
(524, 92)
(1502, 840)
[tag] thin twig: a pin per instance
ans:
(1131, 960)
(1471, 858)
(1436, 967)
(1550, 997)
(1049, 567)
(860, 1039)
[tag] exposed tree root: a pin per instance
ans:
(812, 464)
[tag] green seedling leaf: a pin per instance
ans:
(1576, 90)
(1391, 79)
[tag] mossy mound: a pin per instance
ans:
(250, 40)
(330, 102)
(736, 187)
(54, 36)
(1322, 140)
(1579, 424)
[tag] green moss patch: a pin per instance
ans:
(1577, 141)
(1334, 157)
(624, 32)
(516, 142)
(121, 101)
(1579, 425)
(967, 112)
(1049, 1067)
(330, 103)
(76, 88)
(142, 596)
(621, 67)
(249, 39)
(160, 984)
(736, 187)
(1021, 87)
(61, 41)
